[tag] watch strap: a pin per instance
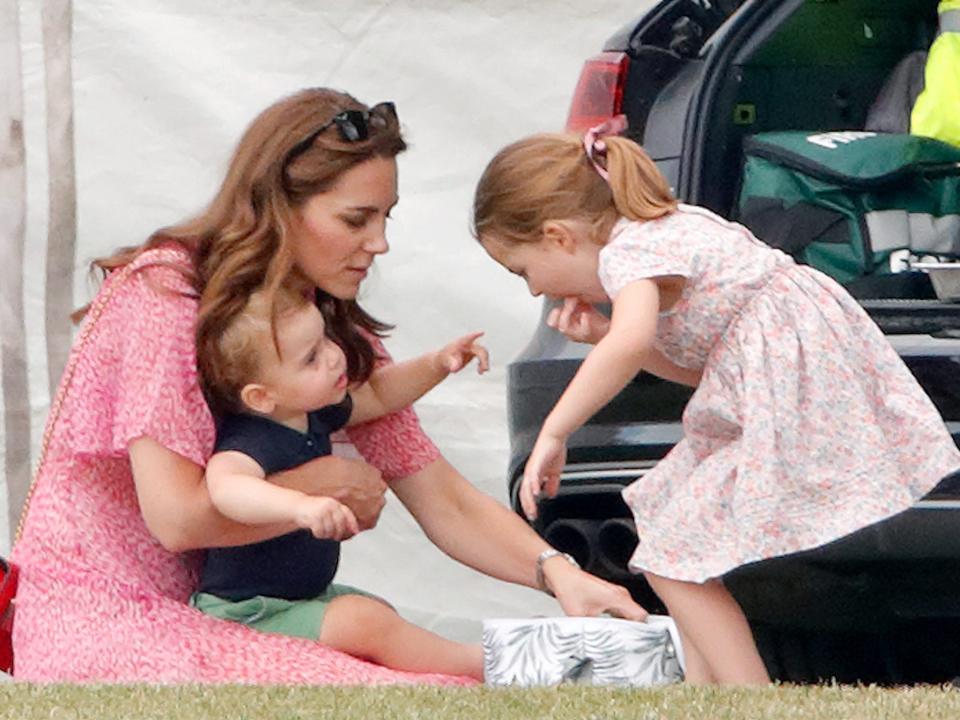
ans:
(542, 558)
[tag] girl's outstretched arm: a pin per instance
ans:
(657, 364)
(613, 362)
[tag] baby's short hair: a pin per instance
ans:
(240, 351)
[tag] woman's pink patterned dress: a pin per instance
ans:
(99, 598)
(806, 425)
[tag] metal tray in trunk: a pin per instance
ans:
(915, 317)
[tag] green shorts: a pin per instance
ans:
(297, 618)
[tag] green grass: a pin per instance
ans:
(72, 702)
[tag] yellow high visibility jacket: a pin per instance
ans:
(936, 112)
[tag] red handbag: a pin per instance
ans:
(8, 588)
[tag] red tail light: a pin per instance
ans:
(599, 93)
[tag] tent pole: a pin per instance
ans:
(13, 345)
(57, 18)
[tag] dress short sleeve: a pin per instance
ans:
(395, 444)
(139, 368)
(639, 250)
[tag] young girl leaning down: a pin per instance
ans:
(279, 386)
(805, 425)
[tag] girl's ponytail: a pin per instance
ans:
(640, 192)
(551, 177)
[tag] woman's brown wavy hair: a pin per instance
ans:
(242, 241)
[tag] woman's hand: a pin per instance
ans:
(542, 472)
(582, 594)
(356, 484)
(579, 321)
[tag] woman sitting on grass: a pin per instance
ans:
(120, 495)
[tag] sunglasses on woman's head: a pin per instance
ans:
(353, 126)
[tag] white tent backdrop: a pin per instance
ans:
(161, 91)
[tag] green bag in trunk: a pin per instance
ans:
(851, 203)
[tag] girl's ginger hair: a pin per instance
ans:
(549, 177)
(242, 240)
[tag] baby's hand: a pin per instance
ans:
(579, 321)
(457, 355)
(326, 518)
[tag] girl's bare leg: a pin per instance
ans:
(372, 630)
(696, 671)
(713, 623)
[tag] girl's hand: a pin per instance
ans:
(458, 354)
(542, 472)
(326, 518)
(579, 321)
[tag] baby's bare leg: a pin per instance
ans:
(372, 630)
(712, 622)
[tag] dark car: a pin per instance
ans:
(696, 79)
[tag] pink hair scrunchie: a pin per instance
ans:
(594, 145)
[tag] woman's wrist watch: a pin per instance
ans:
(542, 558)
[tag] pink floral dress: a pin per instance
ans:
(806, 425)
(99, 598)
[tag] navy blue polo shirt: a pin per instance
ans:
(295, 566)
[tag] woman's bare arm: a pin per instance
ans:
(177, 509)
(480, 532)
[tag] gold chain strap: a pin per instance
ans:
(93, 314)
